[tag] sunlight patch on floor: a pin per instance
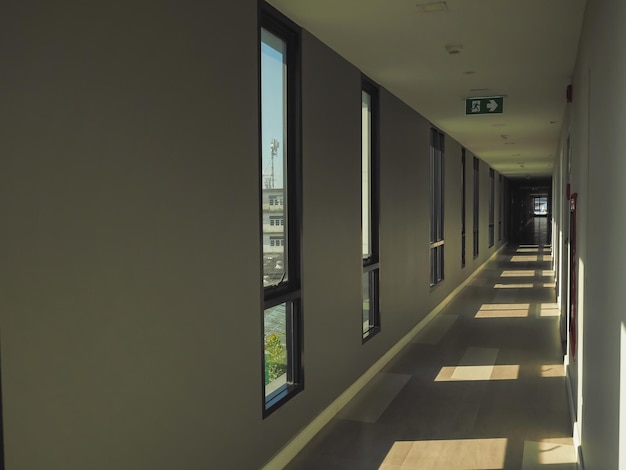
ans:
(556, 451)
(503, 311)
(518, 273)
(523, 259)
(513, 286)
(552, 370)
(549, 310)
(477, 373)
(458, 454)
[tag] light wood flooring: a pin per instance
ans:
(481, 387)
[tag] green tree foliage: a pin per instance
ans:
(275, 357)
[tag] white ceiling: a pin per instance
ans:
(524, 50)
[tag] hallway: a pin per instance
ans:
(482, 386)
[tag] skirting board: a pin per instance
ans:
(572, 413)
(293, 447)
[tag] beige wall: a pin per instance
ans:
(597, 118)
(130, 306)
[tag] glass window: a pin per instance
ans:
(540, 205)
(366, 172)
(492, 202)
(501, 191)
(463, 208)
(437, 142)
(370, 300)
(274, 146)
(369, 209)
(277, 221)
(280, 196)
(476, 204)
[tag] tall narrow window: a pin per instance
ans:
(476, 204)
(369, 209)
(540, 204)
(280, 210)
(436, 206)
(501, 211)
(492, 202)
(463, 201)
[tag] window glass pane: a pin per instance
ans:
(275, 334)
(273, 156)
(463, 201)
(492, 199)
(371, 319)
(433, 189)
(436, 205)
(541, 205)
(366, 165)
(476, 205)
(501, 189)
(366, 302)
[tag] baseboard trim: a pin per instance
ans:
(293, 447)
(580, 463)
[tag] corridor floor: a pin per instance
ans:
(481, 387)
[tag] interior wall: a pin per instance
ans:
(605, 270)
(404, 229)
(130, 311)
(130, 251)
(598, 118)
(454, 275)
(332, 252)
(484, 250)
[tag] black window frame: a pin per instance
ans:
(371, 264)
(492, 202)
(476, 211)
(437, 206)
(288, 292)
(501, 207)
(463, 205)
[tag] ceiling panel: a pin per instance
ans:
(524, 50)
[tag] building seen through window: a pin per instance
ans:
(273, 234)
(280, 195)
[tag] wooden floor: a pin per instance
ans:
(480, 387)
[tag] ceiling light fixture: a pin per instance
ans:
(454, 49)
(433, 7)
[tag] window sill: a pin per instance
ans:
(279, 397)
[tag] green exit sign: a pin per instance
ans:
(484, 105)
